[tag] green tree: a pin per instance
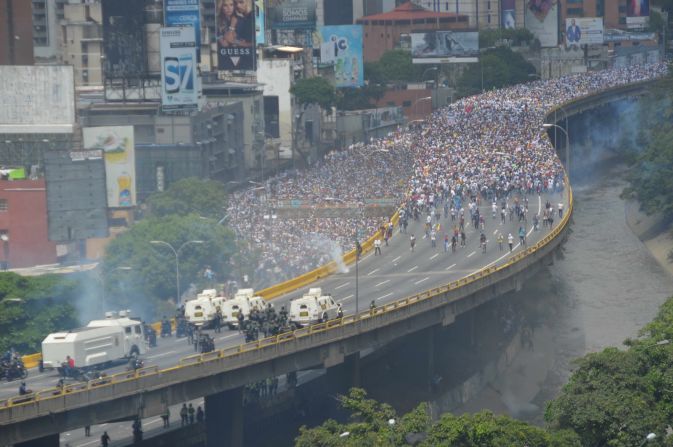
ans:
(32, 307)
(397, 65)
(316, 90)
(500, 67)
(517, 37)
(150, 287)
(359, 98)
(190, 195)
(376, 424)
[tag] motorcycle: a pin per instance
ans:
(13, 370)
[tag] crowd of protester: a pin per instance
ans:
(482, 146)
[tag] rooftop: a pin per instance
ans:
(409, 11)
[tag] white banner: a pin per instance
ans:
(584, 31)
(179, 77)
(541, 19)
(120, 166)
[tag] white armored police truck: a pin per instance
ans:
(243, 302)
(201, 311)
(97, 344)
(313, 307)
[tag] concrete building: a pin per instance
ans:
(47, 17)
(16, 33)
(82, 42)
(23, 224)
(483, 14)
(208, 144)
(382, 31)
(362, 125)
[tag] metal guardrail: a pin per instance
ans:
(55, 393)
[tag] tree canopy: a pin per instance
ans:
(32, 307)
(190, 195)
(315, 90)
(499, 67)
(151, 279)
(376, 424)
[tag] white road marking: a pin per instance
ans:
(397, 258)
(372, 272)
(450, 267)
(434, 256)
(384, 296)
(495, 231)
(381, 283)
(346, 298)
(89, 443)
(342, 285)
(421, 280)
(228, 336)
(164, 354)
(471, 254)
(412, 269)
(153, 421)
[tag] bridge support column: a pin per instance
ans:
(224, 418)
(46, 441)
(346, 374)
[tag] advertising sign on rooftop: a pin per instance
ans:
(434, 47)
(342, 48)
(123, 38)
(184, 13)
(584, 31)
(541, 19)
(179, 78)
(235, 35)
(292, 14)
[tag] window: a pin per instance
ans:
(138, 329)
(127, 329)
(3, 204)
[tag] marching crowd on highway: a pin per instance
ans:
(482, 147)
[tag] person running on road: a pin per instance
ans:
(482, 242)
(522, 236)
(377, 247)
(510, 241)
(412, 241)
(105, 439)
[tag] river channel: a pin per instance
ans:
(602, 289)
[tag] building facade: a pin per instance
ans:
(16, 32)
(382, 31)
(23, 224)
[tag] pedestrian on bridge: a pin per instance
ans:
(184, 414)
(510, 241)
(501, 239)
(412, 241)
(377, 247)
(105, 439)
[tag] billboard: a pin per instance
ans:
(179, 83)
(235, 35)
(584, 31)
(342, 47)
(37, 99)
(541, 19)
(292, 14)
(184, 13)
(434, 47)
(118, 148)
(259, 22)
(637, 13)
(123, 38)
(76, 202)
(508, 14)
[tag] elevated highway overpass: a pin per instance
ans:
(453, 284)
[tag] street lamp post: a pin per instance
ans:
(649, 438)
(177, 261)
(556, 126)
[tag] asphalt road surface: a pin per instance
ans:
(396, 273)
